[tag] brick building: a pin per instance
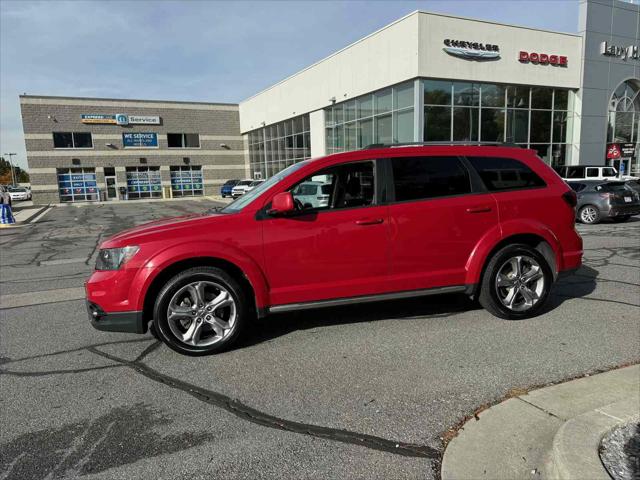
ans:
(85, 149)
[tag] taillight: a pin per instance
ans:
(571, 198)
(606, 195)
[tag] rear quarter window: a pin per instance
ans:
(500, 174)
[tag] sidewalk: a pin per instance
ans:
(553, 432)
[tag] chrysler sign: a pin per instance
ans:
(471, 50)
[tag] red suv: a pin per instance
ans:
(493, 222)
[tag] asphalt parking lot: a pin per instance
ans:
(358, 392)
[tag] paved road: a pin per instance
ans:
(358, 392)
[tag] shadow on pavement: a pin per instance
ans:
(278, 325)
(92, 446)
(579, 284)
(576, 285)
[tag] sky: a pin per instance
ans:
(199, 50)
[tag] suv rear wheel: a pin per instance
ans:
(516, 282)
(200, 311)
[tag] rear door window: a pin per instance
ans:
(592, 172)
(418, 178)
(499, 174)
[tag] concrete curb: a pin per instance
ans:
(575, 454)
(534, 436)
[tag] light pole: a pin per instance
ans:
(13, 174)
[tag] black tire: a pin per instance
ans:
(488, 296)
(153, 330)
(583, 218)
(242, 304)
(621, 218)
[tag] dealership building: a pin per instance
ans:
(88, 149)
(425, 77)
(432, 77)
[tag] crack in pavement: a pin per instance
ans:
(233, 406)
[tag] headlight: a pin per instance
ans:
(114, 258)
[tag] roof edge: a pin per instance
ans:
(102, 99)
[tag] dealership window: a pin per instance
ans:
(77, 184)
(277, 146)
(143, 182)
(183, 140)
(624, 120)
(72, 140)
(186, 180)
(534, 117)
(385, 116)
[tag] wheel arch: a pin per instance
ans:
(174, 259)
(542, 241)
(178, 266)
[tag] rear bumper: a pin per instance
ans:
(620, 210)
(128, 322)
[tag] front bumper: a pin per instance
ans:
(129, 322)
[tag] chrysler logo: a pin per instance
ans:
(472, 50)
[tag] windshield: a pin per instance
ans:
(251, 195)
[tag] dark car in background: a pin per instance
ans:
(599, 199)
(225, 190)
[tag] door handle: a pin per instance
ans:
(369, 221)
(478, 209)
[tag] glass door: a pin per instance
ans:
(112, 187)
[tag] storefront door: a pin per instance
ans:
(112, 188)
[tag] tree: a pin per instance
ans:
(5, 173)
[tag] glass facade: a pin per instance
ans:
(624, 122)
(385, 116)
(275, 147)
(186, 180)
(144, 182)
(534, 117)
(77, 184)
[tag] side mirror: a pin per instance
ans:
(282, 204)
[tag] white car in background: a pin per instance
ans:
(241, 188)
(253, 185)
(313, 194)
(5, 198)
(19, 193)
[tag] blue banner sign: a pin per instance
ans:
(140, 140)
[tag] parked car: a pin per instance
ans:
(313, 194)
(598, 200)
(253, 185)
(399, 222)
(225, 190)
(582, 172)
(634, 185)
(19, 193)
(5, 197)
(240, 188)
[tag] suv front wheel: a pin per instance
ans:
(516, 282)
(200, 311)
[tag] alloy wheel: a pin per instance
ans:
(588, 215)
(201, 313)
(520, 283)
